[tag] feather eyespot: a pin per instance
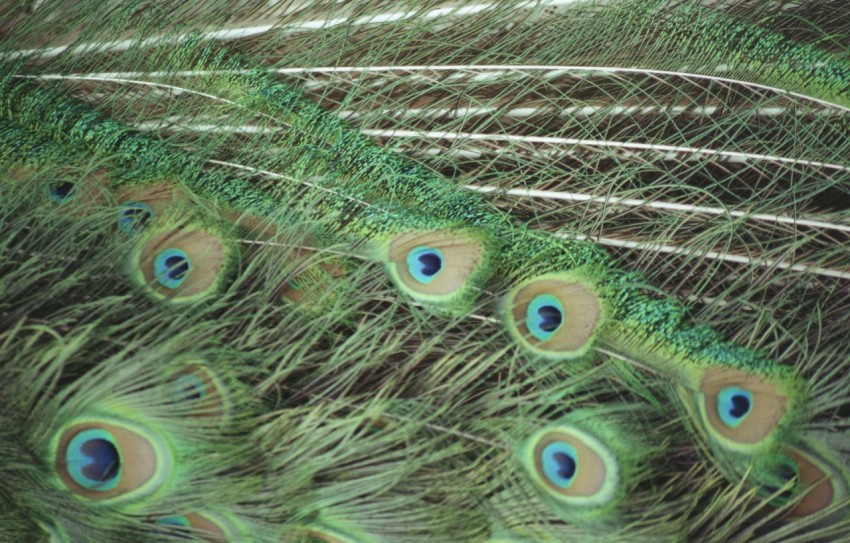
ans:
(189, 388)
(740, 410)
(578, 468)
(103, 459)
(197, 389)
(140, 205)
(183, 264)
(436, 266)
(783, 481)
(133, 217)
(310, 284)
(572, 464)
(555, 315)
(822, 483)
(79, 192)
(62, 192)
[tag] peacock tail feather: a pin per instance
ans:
(375, 271)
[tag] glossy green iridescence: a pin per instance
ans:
(782, 61)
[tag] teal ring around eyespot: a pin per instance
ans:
(535, 321)
(729, 400)
(415, 266)
(77, 461)
(133, 224)
(57, 196)
(189, 382)
(553, 467)
(164, 265)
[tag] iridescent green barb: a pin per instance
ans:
(804, 67)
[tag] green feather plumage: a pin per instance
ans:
(365, 350)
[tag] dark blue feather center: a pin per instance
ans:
(740, 406)
(177, 267)
(424, 263)
(734, 404)
(61, 191)
(104, 461)
(566, 465)
(431, 264)
(134, 217)
(550, 318)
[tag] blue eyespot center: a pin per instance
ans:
(733, 405)
(567, 465)
(189, 387)
(93, 460)
(424, 263)
(171, 267)
(544, 316)
(560, 463)
(62, 191)
(134, 217)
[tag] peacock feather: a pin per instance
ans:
(360, 272)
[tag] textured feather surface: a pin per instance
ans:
(323, 340)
